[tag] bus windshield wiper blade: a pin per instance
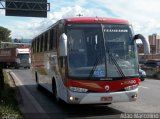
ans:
(94, 67)
(117, 65)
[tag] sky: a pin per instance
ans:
(142, 14)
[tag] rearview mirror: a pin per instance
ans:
(63, 45)
(145, 42)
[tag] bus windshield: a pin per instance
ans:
(101, 51)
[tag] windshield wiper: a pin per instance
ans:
(116, 64)
(94, 67)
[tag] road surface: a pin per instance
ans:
(148, 101)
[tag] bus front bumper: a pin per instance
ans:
(101, 98)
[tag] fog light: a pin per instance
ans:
(134, 96)
(71, 98)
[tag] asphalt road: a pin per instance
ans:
(148, 101)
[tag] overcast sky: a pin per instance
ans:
(142, 14)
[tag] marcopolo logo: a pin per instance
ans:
(130, 82)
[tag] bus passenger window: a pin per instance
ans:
(38, 44)
(41, 44)
(45, 41)
(51, 39)
(32, 49)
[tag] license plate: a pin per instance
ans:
(106, 98)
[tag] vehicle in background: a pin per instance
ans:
(17, 56)
(152, 68)
(142, 74)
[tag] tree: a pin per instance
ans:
(5, 34)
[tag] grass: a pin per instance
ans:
(8, 103)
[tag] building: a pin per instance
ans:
(141, 49)
(13, 44)
(154, 41)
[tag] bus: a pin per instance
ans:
(88, 60)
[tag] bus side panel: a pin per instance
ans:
(40, 69)
(51, 69)
(46, 66)
(56, 72)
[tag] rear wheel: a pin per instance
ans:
(37, 82)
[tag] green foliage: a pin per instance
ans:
(8, 103)
(5, 34)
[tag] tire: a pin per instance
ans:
(37, 82)
(16, 67)
(54, 91)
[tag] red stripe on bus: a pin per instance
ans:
(100, 86)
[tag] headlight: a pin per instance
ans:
(128, 88)
(76, 89)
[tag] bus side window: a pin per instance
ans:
(48, 39)
(38, 44)
(51, 39)
(45, 41)
(55, 38)
(34, 46)
(41, 43)
(33, 42)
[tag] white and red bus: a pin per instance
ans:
(88, 60)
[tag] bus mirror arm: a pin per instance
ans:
(145, 42)
(63, 45)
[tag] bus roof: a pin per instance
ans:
(88, 20)
(95, 19)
